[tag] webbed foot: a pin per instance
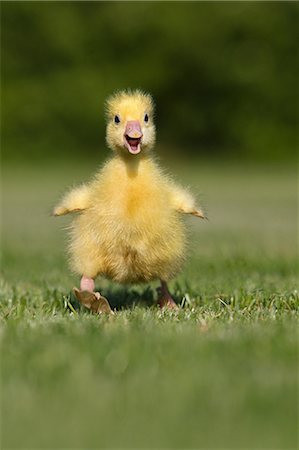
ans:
(93, 301)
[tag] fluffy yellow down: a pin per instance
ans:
(131, 232)
(129, 226)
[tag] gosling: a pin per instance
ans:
(128, 227)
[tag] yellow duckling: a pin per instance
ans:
(129, 227)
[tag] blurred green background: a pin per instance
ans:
(223, 76)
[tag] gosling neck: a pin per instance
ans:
(132, 162)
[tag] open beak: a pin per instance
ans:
(133, 136)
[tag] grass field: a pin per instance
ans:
(220, 373)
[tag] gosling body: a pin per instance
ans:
(129, 225)
(131, 231)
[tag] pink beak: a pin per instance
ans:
(133, 136)
(133, 129)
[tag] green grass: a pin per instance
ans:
(222, 372)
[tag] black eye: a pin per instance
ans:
(146, 118)
(116, 119)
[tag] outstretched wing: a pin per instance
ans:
(76, 200)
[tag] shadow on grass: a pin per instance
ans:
(125, 297)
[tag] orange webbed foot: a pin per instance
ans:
(93, 301)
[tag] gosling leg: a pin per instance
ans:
(164, 299)
(87, 284)
(90, 299)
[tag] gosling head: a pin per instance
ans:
(130, 127)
